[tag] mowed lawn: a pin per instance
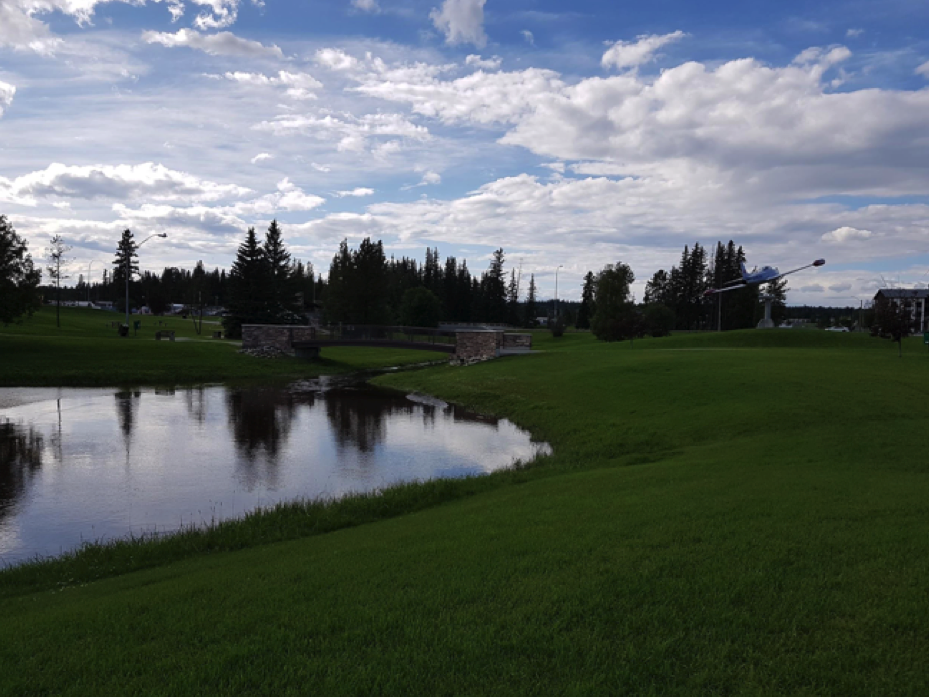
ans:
(719, 517)
(86, 351)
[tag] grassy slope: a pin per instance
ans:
(85, 351)
(713, 521)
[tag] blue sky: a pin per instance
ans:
(569, 134)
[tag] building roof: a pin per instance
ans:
(918, 293)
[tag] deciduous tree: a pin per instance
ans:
(19, 279)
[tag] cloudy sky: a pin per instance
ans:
(571, 134)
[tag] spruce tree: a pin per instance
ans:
(530, 308)
(248, 287)
(126, 248)
(338, 286)
(282, 290)
(493, 290)
(369, 276)
(587, 309)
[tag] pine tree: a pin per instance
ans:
(338, 286)
(530, 308)
(512, 300)
(248, 284)
(588, 307)
(493, 290)
(282, 290)
(126, 249)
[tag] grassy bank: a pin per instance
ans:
(742, 521)
(86, 352)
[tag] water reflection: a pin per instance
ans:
(127, 410)
(20, 460)
(215, 452)
(261, 420)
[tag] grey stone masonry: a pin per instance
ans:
(477, 345)
(512, 341)
(278, 335)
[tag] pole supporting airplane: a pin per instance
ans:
(756, 276)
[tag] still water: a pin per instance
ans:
(92, 464)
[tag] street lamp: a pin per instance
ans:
(860, 308)
(129, 271)
(556, 290)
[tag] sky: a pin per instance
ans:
(573, 135)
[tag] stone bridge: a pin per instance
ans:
(464, 344)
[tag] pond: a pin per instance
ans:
(95, 464)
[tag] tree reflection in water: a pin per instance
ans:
(261, 420)
(20, 461)
(127, 408)
(358, 416)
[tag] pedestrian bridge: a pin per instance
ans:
(462, 343)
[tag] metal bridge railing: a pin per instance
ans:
(376, 333)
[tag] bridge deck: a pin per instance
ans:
(376, 343)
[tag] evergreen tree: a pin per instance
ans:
(282, 290)
(19, 279)
(778, 290)
(493, 290)
(125, 254)
(512, 300)
(57, 255)
(338, 286)
(420, 308)
(248, 284)
(368, 279)
(587, 308)
(530, 308)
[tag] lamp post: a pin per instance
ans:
(129, 271)
(860, 308)
(556, 291)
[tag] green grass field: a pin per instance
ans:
(744, 513)
(86, 351)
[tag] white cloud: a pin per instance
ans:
(840, 287)
(147, 180)
(430, 178)
(631, 54)
(484, 63)
(221, 14)
(854, 33)
(223, 43)
(261, 157)
(350, 132)
(359, 191)
(299, 85)
(923, 70)
(462, 21)
(821, 57)
(335, 59)
(366, 5)
(7, 92)
(320, 168)
(846, 234)
(20, 29)
(528, 37)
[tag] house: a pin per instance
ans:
(914, 298)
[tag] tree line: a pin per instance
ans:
(267, 285)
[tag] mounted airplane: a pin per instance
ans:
(765, 274)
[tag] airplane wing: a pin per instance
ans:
(714, 291)
(818, 262)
